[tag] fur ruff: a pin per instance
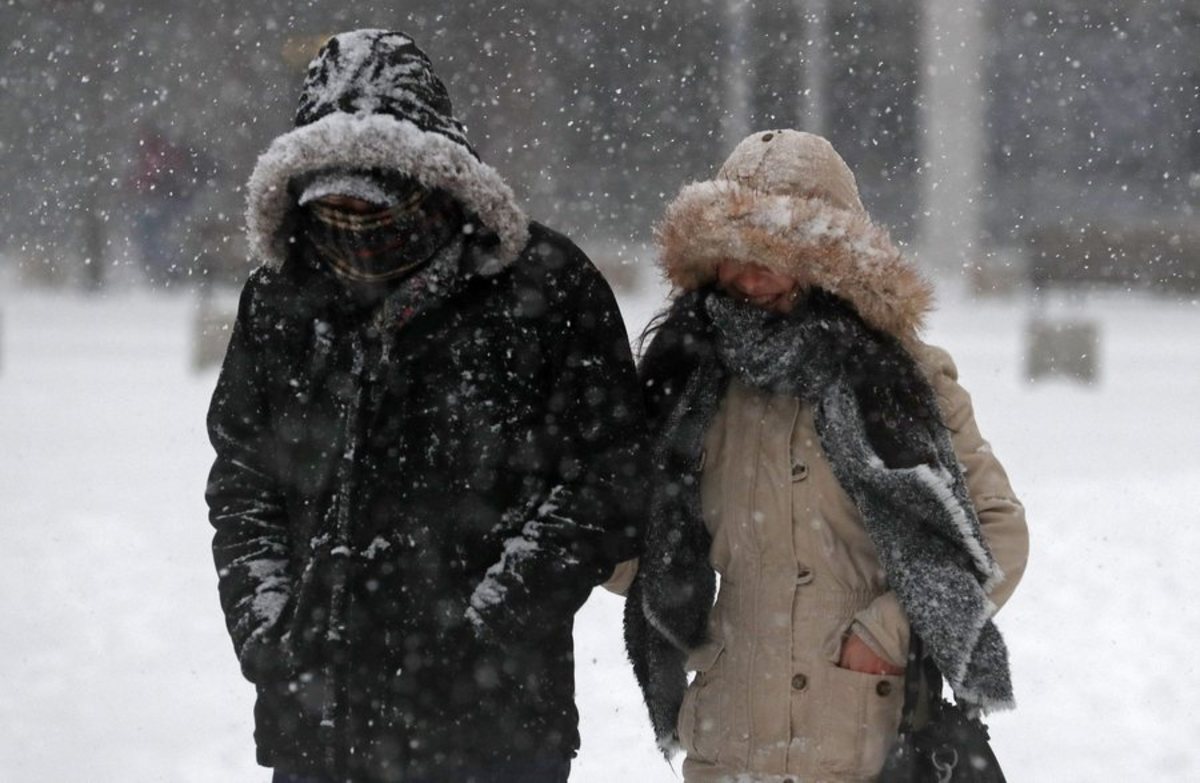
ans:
(378, 141)
(838, 250)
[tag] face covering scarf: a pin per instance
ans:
(383, 245)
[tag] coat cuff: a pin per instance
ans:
(622, 577)
(884, 627)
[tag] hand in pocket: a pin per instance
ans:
(857, 656)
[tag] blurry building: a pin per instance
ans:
(597, 113)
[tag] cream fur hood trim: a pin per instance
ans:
(838, 250)
(377, 141)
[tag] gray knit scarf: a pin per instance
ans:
(897, 464)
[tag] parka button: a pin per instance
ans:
(799, 471)
(800, 682)
(883, 688)
(804, 575)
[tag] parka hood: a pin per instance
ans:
(372, 101)
(786, 201)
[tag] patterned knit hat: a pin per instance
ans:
(378, 72)
(371, 101)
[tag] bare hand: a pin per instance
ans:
(857, 656)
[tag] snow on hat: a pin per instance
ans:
(786, 200)
(371, 101)
(378, 72)
(344, 183)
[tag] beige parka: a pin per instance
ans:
(797, 570)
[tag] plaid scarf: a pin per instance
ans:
(386, 244)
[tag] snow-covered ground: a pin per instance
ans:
(116, 666)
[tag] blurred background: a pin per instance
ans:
(1039, 160)
(129, 128)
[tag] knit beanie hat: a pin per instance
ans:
(787, 201)
(378, 72)
(371, 101)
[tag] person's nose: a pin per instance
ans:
(753, 283)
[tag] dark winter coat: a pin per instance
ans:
(412, 499)
(499, 432)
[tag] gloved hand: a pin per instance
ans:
(265, 658)
(488, 613)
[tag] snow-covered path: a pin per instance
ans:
(116, 666)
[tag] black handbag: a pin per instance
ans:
(949, 746)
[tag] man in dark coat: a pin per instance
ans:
(427, 432)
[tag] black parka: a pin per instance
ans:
(367, 479)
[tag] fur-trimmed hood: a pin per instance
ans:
(372, 101)
(785, 200)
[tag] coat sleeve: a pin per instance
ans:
(883, 625)
(246, 508)
(594, 428)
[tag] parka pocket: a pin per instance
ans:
(702, 721)
(860, 719)
(303, 622)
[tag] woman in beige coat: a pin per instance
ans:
(825, 463)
